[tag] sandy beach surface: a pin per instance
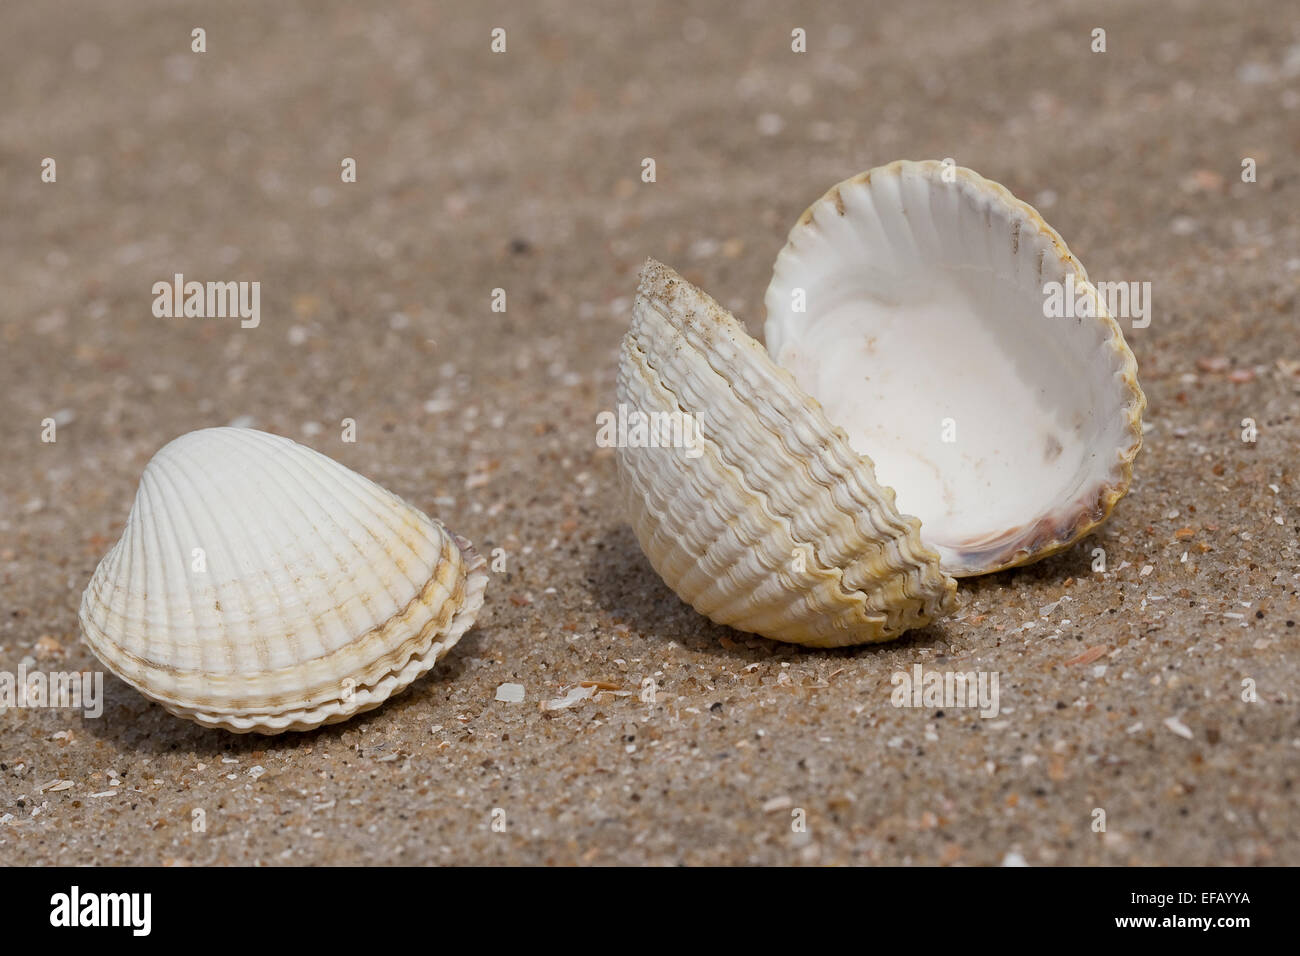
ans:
(1160, 693)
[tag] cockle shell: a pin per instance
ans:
(1008, 433)
(909, 352)
(775, 526)
(261, 586)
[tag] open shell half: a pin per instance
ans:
(765, 519)
(910, 301)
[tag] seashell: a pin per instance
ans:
(261, 586)
(904, 307)
(925, 287)
(768, 522)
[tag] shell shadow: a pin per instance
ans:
(132, 723)
(622, 583)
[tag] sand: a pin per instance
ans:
(1121, 692)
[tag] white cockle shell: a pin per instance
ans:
(908, 351)
(261, 586)
(910, 301)
(763, 518)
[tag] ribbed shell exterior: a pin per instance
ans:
(313, 595)
(776, 527)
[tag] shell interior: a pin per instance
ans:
(912, 308)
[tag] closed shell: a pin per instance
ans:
(261, 586)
